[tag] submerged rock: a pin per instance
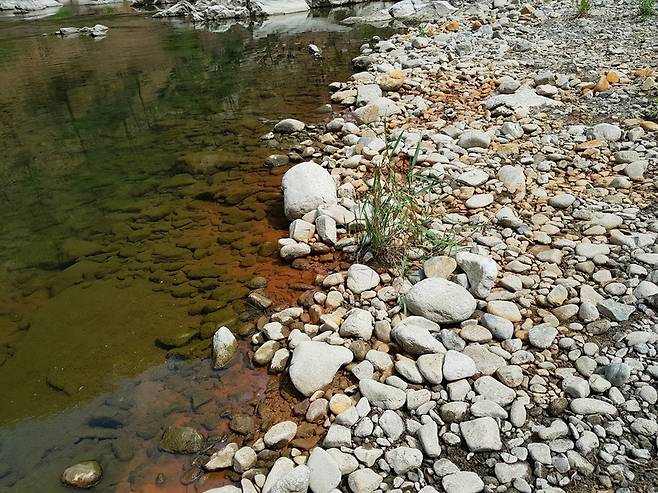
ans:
(97, 31)
(181, 440)
(289, 125)
(82, 475)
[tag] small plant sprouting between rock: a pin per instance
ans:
(583, 7)
(647, 8)
(395, 216)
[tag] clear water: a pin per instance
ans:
(112, 238)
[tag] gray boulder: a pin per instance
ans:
(413, 334)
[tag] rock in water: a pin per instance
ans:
(181, 440)
(314, 365)
(82, 475)
(440, 300)
(224, 346)
(288, 126)
(306, 186)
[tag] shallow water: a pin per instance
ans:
(135, 206)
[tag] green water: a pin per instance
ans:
(135, 206)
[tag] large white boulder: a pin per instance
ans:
(440, 300)
(306, 186)
(314, 365)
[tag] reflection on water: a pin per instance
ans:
(135, 207)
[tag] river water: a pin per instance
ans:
(135, 210)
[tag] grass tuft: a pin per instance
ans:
(583, 8)
(647, 8)
(395, 216)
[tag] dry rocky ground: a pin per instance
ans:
(523, 358)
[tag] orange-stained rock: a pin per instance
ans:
(452, 26)
(602, 85)
(643, 72)
(649, 125)
(612, 77)
(589, 144)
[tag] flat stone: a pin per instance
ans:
(428, 436)
(542, 337)
(296, 481)
(479, 201)
(364, 481)
(392, 424)
(474, 138)
(592, 406)
(491, 389)
(381, 395)
(314, 365)
(430, 367)
(361, 278)
(414, 335)
(480, 270)
(280, 435)
(440, 266)
(404, 459)
(462, 482)
(615, 311)
(359, 324)
(505, 309)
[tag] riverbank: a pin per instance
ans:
(507, 339)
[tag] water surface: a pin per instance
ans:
(135, 209)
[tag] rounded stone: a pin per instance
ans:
(83, 475)
(440, 300)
